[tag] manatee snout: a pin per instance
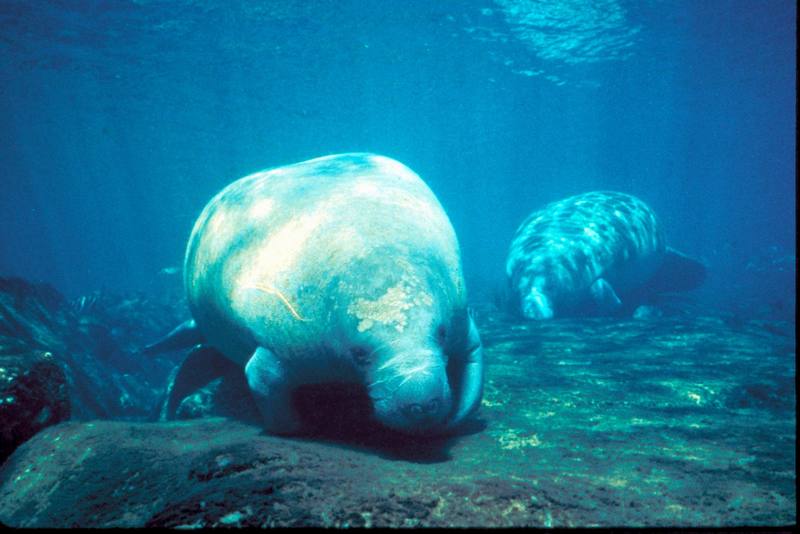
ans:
(413, 398)
(421, 412)
(422, 403)
(537, 306)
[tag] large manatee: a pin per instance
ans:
(339, 269)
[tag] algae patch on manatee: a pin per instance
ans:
(388, 308)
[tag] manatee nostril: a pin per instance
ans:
(413, 410)
(416, 410)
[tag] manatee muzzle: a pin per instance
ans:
(412, 395)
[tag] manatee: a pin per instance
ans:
(596, 253)
(340, 269)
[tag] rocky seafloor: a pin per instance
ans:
(676, 420)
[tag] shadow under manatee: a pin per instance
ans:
(342, 414)
(336, 413)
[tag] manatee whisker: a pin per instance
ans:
(411, 373)
(391, 361)
(407, 374)
(382, 346)
(378, 382)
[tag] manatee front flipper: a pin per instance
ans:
(201, 366)
(467, 369)
(183, 336)
(271, 387)
(604, 296)
(678, 272)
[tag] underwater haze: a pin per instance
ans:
(121, 119)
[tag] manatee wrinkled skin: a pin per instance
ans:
(339, 269)
(591, 254)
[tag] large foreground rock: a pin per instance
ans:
(669, 422)
(208, 472)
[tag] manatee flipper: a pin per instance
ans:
(678, 272)
(201, 366)
(271, 388)
(537, 305)
(468, 374)
(604, 296)
(183, 336)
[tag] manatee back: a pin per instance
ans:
(266, 258)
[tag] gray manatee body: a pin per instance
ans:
(590, 254)
(339, 269)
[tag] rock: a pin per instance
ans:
(33, 395)
(94, 341)
(203, 473)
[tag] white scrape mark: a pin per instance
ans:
(261, 208)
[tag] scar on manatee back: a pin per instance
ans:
(272, 290)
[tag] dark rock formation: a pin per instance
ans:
(94, 341)
(33, 395)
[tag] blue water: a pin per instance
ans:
(120, 119)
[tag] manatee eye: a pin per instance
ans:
(441, 334)
(360, 355)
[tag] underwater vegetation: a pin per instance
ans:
(672, 420)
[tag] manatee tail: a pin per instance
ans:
(201, 366)
(678, 272)
(183, 336)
